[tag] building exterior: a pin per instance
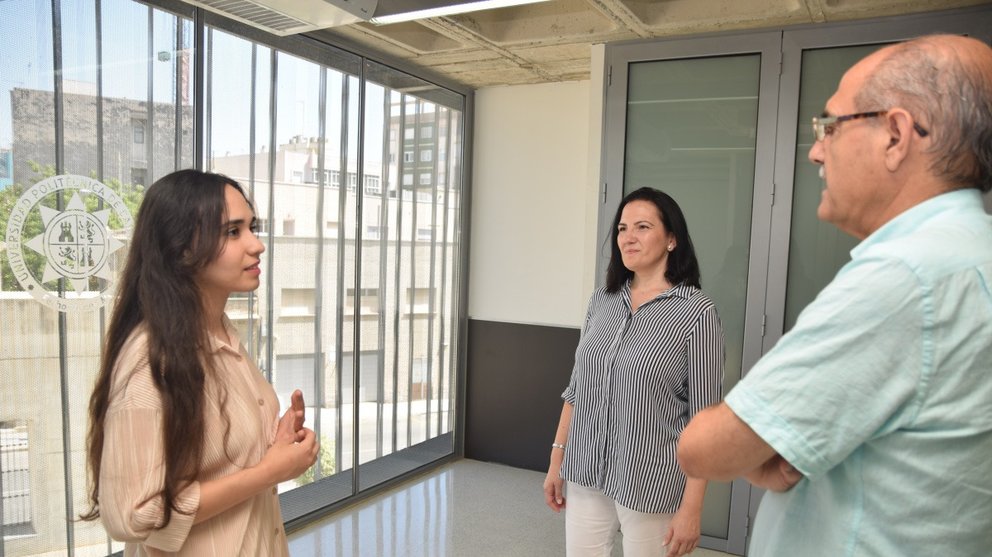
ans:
(136, 139)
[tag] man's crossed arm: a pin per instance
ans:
(717, 445)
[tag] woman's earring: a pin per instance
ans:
(671, 247)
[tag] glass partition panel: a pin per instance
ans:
(288, 154)
(82, 117)
(343, 299)
(817, 250)
(358, 309)
(358, 306)
(238, 147)
(297, 354)
(691, 127)
(408, 228)
(32, 468)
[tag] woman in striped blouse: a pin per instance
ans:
(650, 356)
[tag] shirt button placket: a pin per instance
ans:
(604, 421)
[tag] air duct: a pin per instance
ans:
(288, 17)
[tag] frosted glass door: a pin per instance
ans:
(691, 129)
(817, 250)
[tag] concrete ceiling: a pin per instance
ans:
(550, 41)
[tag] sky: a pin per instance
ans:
(26, 61)
(26, 45)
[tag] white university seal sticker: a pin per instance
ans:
(75, 243)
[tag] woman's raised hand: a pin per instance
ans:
(299, 410)
(295, 448)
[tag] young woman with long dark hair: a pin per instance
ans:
(185, 445)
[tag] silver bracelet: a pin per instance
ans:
(558, 446)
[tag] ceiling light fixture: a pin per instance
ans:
(449, 10)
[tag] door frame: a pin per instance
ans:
(975, 23)
(618, 58)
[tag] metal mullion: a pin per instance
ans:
(357, 331)
(339, 310)
(178, 140)
(63, 327)
(206, 140)
(319, 267)
(150, 79)
(252, 107)
(450, 219)
(99, 111)
(430, 282)
(199, 92)
(270, 215)
(413, 281)
(383, 248)
(444, 266)
(458, 287)
(253, 339)
(401, 167)
(100, 170)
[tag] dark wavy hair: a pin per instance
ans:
(682, 264)
(177, 233)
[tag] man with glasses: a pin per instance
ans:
(870, 422)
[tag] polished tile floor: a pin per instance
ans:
(465, 508)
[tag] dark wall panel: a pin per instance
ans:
(516, 374)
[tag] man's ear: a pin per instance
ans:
(899, 126)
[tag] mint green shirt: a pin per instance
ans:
(881, 396)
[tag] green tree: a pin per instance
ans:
(33, 226)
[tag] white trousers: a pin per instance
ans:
(592, 520)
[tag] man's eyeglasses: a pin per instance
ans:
(825, 125)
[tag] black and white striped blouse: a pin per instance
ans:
(638, 378)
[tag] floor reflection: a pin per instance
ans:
(463, 509)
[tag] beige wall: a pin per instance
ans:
(535, 200)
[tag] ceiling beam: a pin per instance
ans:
(815, 9)
(454, 30)
(621, 15)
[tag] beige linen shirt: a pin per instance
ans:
(132, 471)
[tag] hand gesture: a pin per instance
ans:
(683, 533)
(295, 447)
(299, 410)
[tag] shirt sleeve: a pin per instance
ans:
(132, 474)
(849, 370)
(569, 394)
(706, 354)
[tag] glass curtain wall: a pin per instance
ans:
(354, 170)
(89, 117)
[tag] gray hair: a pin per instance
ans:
(949, 92)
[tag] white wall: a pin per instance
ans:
(534, 200)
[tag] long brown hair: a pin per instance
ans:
(176, 234)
